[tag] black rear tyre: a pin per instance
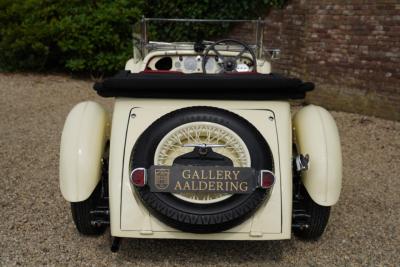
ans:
(318, 220)
(82, 217)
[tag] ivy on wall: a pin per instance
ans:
(96, 36)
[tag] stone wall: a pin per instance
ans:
(349, 49)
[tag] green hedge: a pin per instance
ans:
(95, 36)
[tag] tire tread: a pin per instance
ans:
(81, 215)
(317, 222)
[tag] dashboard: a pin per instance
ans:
(193, 64)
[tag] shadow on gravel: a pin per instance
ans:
(202, 251)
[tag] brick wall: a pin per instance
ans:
(349, 49)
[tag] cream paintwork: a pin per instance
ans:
(83, 139)
(87, 128)
(129, 218)
(316, 134)
(136, 66)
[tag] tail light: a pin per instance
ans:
(139, 177)
(267, 179)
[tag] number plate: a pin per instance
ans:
(211, 179)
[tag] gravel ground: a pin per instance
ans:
(36, 226)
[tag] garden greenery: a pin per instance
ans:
(96, 36)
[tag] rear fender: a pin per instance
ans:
(84, 137)
(316, 134)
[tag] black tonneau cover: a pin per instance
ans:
(240, 86)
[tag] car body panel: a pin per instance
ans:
(83, 140)
(316, 134)
(129, 218)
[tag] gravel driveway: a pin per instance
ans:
(36, 226)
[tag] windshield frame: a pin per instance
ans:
(142, 43)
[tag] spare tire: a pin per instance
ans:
(161, 143)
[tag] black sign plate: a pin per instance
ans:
(213, 179)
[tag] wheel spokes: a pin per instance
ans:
(178, 143)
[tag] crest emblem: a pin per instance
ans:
(161, 180)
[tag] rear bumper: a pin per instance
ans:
(217, 236)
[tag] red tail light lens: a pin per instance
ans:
(267, 179)
(139, 177)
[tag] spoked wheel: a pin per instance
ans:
(226, 142)
(169, 139)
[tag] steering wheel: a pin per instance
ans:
(228, 63)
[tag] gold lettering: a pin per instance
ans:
(211, 186)
(193, 185)
(210, 175)
(234, 184)
(203, 176)
(228, 175)
(203, 183)
(186, 174)
(243, 186)
(178, 186)
(195, 174)
(219, 186)
(186, 186)
(236, 173)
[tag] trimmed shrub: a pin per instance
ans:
(89, 36)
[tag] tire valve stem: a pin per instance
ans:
(302, 162)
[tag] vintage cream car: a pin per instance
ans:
(201, 145)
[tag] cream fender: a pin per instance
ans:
(316, 134)
(83, 141)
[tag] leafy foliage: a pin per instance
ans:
(202, 9)
(96, 36)
(75, 35)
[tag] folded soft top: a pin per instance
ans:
(242, 86)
